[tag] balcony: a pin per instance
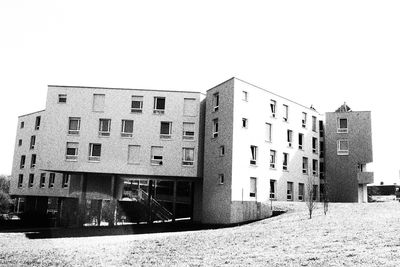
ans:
(365, 177)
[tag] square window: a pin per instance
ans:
(253, 158)
(137, 104)
(104, 127)
(20, 142)
(188, 156)
(272, 161)
(74, 125)
(342, 125)
(159, 105)
(22, 124)
(273, 108)
(272, 189)
(253, 186)
(156, 155)
(127, 128)
(342, 147)
(215, 128)
(72, 151)
(62, 98)
(94, 152)
(244, 123)
(216, 101)
(188, 131)
(165, 130)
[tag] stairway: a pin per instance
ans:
(157, 209)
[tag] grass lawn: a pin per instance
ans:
(349, 235)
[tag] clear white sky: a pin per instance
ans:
(314, 52)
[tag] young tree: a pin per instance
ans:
(5, 200)
(326, 197)
(310, 195)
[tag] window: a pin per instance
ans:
(72, 151)
(22, 162)
(285, 112)
(65, 180)
(94, 152)
(342, 125)
(301, 137)
(304, 120)
(321, 170)
(301, 191)
(104, 127)
(20, 180)
(321, 149)
(42, 180)
(244, 96)
(74, 125)
(165, 130)
(127, 128)
(272, 189)
(285, 161)
(314, 123)
(189, 107)
(156, 155)
(20, 142)
(31, 179)
(221, 178)
(33, 161)
(62, 98)
(244, 123)
(268, 132)
(137, 104)
(342, 147)
(33, 141)
(272, 160)
(159, 105)
(188, 131)
(273, 108)
(37, 123)
(99, 102)
(289, 137)
(315, 192)
(253, 159)
(315, 167)
(52, 179)
(253, 186)
(216, 101)
(289, 192)
(215, 128)
(222, 151)
(133, 154)
(314, 145)
(22, 124)
(188, 156)
(305, 165)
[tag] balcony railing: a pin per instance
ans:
(365, 177)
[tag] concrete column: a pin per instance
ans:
(82, 200)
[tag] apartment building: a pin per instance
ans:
(348, 140)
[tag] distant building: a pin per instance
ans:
(383, 192)
(348, 146)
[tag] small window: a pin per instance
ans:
(33, 142)
(272, 159)
(305, 165)
(156, 155)
(37, 123)
(221, 150)
(33, 161)
(268, 132)
(189, 107)
(42, 180)
(342, 147)
(62, 98)
(301, 137)
(159, 105)
(272, 189)
(314, 145)
(133, 154)
(253, 186)
(285, 161)
(165, 130)
(244, 96)
(253, 159)
(215, 101)
(304, 120)
(94, 152)
(22, 162)
(22, 124)
(273, 108)
(137, 104)
(342, 125)
(188, 156)
(65, 180)
(244, 123)
(315, 167)
(20, 180)
(74, 125)
(31, 180)
(104, 127)
(215, 128)
(188, 131)
(72, 151)
(285, 113)
(301, 191)
(20, 142)
(127, 128)
(99, 102)
(52, 178)
(221, 178)
(289, 192)
(314, 124)
(289, 138)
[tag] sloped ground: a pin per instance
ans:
(349, 235)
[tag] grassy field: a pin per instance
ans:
(349, 235)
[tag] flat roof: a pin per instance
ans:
(31, 113)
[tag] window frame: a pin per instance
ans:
(245, 96)
(301, 192)
(93, 158)
(185, 136)
(253, 154)
(221, 178)
(289, 137)
(253, 194)
(33, 142)
(166, 135)
(37, 122)
(22, 162)
(72, 157)
(272, 189)
(33, 161)
(304, 165)
(272, 105)
(342, 130)
(289, 191)
(314, 123)
(140, 108)
(215, 101)
(157, 110)
(42, 181)
(285, 116)
(285, 161)
(124, 133)
(103, 133)
(52, 178)
(343, 152)
(314, 145)
(215, 128)
(301, 144)
(62, 97)
(315, 167)
(221, 150)
(156, 160)
(78, 128)
(185, 162)
(65, 180)
(31, 180)
(20, 180)
(272, 159)
(304, 120)
(245, 123)
(268, 132)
